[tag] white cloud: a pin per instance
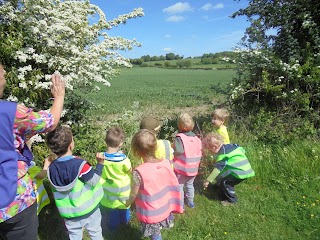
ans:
(167, 36)
(218, 6)
(178, 8)
(175, 18)
(209, 6)
(206, 7)
(167, 49)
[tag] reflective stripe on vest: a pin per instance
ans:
(164, 150)
(159, 192)
(80, 200)
(41, 192)
(188, 163)
(237, 164)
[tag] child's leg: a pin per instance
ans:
(227, 185)
(124, 215)
(113, 218)
(156, 236)
(182, 180)
(74, 228)
(93, 225)
(190, 191)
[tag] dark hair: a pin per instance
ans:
(114, 137)
(59, 140)
(144, 143)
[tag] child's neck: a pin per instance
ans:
(112, 149)
(150, 159)
(68, 153)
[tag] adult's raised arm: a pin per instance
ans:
(58, 92)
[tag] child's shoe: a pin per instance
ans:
(226, 203)
(190, 204)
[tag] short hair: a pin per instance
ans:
(144, 143)
(211, 139)
(115, 136)
(59, 140)
(221, 113)
(185, 122)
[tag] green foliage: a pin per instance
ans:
(278, 73)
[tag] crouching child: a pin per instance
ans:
(231, 168)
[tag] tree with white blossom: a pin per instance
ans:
(38, 37)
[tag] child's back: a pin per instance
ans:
(115, 180)
(187, 156)
(75, 185)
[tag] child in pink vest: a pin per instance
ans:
(187, 155)
(155, 188)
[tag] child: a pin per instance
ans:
(164, 149)
(232, 166)
(75, 185)
(220, 117)
(37, 176)
(155, 188)
(115, 181)
(187, 155)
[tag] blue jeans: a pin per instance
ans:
(92, 223)
(112, 218)
(227, 185)
(186, 182)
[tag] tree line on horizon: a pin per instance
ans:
(206, 58)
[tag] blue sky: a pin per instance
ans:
(188, 28)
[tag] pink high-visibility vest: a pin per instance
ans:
(188, 163)
(159, 193)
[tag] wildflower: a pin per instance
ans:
(225, 233)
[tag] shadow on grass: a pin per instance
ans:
(124, 232)
(213, 192)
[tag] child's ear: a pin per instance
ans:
(71, 146)
(120, 145)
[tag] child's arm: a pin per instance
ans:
(136, 182)
(91, 176)
(133, 194)
(219, 166)
(178, 147)
(47, 161)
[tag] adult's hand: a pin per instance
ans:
(58, 86)
(58, 92)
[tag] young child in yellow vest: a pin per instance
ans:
(232, 166)
(115, 180)
(75, 185)
(187, 155)
(38, 174)
(219, 120)
(164, 149)
(155, 188)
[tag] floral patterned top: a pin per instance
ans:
(27, 123)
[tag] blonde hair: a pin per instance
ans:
(185, 122)
(221, 113)
(212, 139)
(144, 143)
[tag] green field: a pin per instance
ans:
(281, 202)
(163, 89)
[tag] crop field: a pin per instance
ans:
(161, 89)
